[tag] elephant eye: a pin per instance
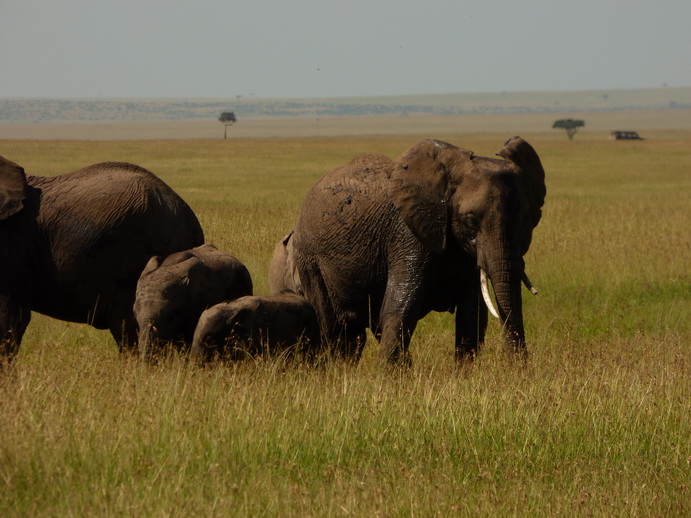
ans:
(470, 221)
(471, 227)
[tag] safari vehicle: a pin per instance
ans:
(624, 135)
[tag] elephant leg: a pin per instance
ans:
(343, 335)
(123, 327)
(333, 320)
(397, 327)
(120, 319)
(13, 324)
(471, 322)
(353, 335)
(400, 311)
(125, 334)
(395, 341)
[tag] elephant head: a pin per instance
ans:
(162, 301)
(12, 187)
(485, 207)
(14, 297)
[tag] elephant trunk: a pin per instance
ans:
(507, 275)
(147, 338)
(200, 352)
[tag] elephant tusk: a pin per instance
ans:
(485, 294)
(528, 284)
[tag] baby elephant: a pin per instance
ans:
(173, 292)
(257, 325)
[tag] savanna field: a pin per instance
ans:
(595, 424)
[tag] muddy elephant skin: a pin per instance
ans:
(380, 243)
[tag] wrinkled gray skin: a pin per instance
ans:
(173, 292)
(256, 325)
(380, 243)
(72, 246)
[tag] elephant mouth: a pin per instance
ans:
(484, 288)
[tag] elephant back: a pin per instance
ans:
(105, 222)
(345, 198)
(108, 193)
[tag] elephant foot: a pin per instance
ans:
(9, 348)
(516, 348)
(518, 354)
(467, 350)
(395, 357)
(466, 354)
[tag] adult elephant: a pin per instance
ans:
(72, 246)
(380, 243)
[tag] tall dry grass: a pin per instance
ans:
(595, 424)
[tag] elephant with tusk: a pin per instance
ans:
(380, 243)
(484, 287)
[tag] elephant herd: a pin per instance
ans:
(201, 300)
(378, 244)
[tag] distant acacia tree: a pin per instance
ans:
(228, 119)
(570, 125)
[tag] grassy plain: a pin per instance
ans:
(598, 124)
(596, 424)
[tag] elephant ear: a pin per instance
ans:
(419, 189)
(12, 188)
(153, 265)
(532, 179)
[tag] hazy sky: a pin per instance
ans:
(335, 48)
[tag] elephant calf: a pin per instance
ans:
(257, 325)
(173, 292)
